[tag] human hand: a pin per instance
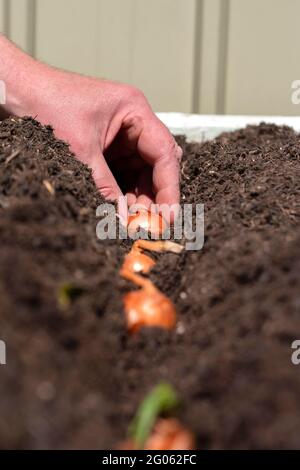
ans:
(109, 126)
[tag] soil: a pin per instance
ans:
(74, 377)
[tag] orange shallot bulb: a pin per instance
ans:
(138, 262)
(169, 434)
(148, 221)
(147, 306)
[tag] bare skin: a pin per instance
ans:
(108, 125)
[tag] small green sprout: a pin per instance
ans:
(67, 293)
(161, 400)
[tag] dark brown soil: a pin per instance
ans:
(73, 376)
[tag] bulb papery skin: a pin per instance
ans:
(138, 262)
(148, 221)
(167, 434)
(149, 308)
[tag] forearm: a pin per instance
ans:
(19, 72)
(31, 84)
(97, 118)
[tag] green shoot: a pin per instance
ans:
(67, 293)
(161, 400)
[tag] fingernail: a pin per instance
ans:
(179, 153)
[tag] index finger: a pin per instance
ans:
(158, 148)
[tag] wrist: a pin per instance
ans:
(20, 74)
(22, 89)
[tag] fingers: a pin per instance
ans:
(107, 184)
(144, 135)
(131, 198)
(104, 179)
(158, 147)
(145, 195)
(166, 179)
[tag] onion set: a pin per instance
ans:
(147, 306)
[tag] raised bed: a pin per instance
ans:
(74, 376)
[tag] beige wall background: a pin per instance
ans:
(203, 56)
